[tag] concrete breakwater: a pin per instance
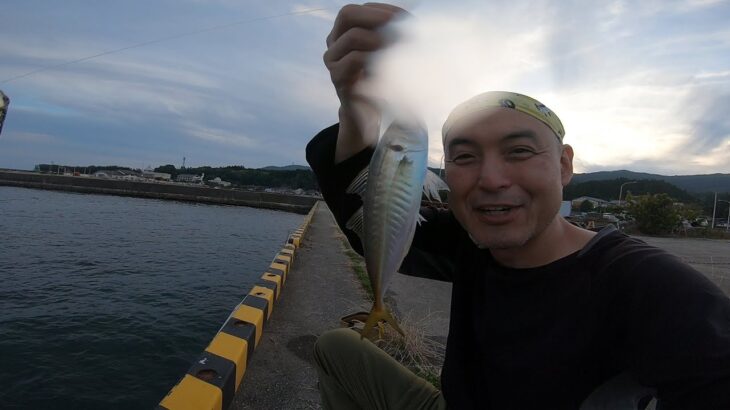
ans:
(215, 376)
(269, 200)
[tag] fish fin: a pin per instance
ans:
(420, 219)
(377, 316)
(357, 186)
(432, 184)
(355, 223)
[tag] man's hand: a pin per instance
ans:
(355, 36)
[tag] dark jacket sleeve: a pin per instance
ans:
(429, 256)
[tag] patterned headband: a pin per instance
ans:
(504, 99)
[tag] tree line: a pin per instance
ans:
(242, 176)
(237, 174)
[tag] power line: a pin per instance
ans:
(159, 40)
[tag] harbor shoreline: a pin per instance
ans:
(158, 190)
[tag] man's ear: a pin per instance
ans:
(566, 164)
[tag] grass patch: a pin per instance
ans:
(422, 355)
(357, 263)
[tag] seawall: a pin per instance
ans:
(215, 376)
(291, 203)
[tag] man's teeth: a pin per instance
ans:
(495, 209)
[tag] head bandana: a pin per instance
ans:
(504, 99)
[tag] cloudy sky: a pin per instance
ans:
(642, 85)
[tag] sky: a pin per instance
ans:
(639, 85)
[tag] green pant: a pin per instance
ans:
(356, 374)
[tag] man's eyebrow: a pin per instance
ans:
(460, 141)
(526, 133)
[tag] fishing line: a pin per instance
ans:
(159, 40)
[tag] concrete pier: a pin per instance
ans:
(320, 289)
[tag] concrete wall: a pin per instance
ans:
(215, 376)
(291, 203)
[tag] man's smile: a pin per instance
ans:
(496, 214)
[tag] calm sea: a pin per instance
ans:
(105, 301)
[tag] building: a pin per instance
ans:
(158, 176)
(565, 208)
(597, 202)
(122, 174)
(219, 181)
(190, 178)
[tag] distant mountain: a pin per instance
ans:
(609, 189)
(286, 168)
(690, 183)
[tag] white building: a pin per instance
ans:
(195, 179)
(160, 176)
(123, 174)
(219, 181)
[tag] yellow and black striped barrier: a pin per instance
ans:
(215, 376)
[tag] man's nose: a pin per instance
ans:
(494, 175)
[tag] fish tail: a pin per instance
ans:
(380, 315)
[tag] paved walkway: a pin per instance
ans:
(319, 290)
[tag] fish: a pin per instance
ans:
(391, 188)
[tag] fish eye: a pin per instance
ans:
(396, 147)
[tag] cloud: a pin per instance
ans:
(708, 108)
(33, 137)
(699, 4)
(327, 14)
(718, 74)
(220, 136)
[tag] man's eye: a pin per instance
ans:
(520, 153)
(463, 159)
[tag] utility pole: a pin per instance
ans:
(727, 226)
(714, 208)
(621, 191)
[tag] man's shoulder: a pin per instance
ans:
(611, 247)
(631, 266)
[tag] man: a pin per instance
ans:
(543, 314)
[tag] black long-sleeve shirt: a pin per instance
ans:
(546, 337)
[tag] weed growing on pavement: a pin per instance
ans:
(423, 355)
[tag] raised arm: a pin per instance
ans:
(355, 37)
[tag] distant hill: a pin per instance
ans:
(691, 183)
(286, 168)
(609, 189)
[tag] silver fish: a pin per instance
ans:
(391, 189)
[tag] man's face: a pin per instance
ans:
(506, 171)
